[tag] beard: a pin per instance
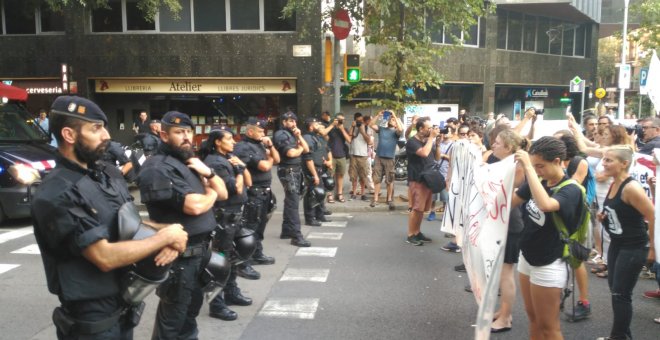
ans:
(88, 155)
(180, 152)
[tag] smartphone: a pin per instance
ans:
(387, 115)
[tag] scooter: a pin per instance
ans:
(401, 162)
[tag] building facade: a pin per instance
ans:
(219, 60)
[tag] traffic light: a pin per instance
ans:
(352, 71)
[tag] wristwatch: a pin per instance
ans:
(213, 174)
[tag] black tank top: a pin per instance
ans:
(623, 222)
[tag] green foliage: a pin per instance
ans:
(649, 30)
(403, 28)
(148, 7)
(608, 55)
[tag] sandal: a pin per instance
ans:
(372, 204)
(599, 269)
(331, 199)
(341, 198)
(602, 275)
(656, 320)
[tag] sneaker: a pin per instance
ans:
(414, 241)
(652, 294)
(391, 205)
(579, 312)
(596, 259)
(451, 247)
(448, 235)
(460, 268)
(421, 237)
(646, 274)
(431, 216)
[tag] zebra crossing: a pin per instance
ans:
(10, 236)
(305, 308)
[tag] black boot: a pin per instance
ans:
(259, 258)
(233, 296)
(246, 271)
(323, 219)
(219, 310)
(313, 222)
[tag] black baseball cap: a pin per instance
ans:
(311, 120)
(257, 122)
(78, 107)
(176, 118)
(289, 115)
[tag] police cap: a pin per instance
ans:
(289, 115)
(154, 121)
(176, 118)
(256, 122)
(78, 107)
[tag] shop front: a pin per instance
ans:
(41, 91)
(208, 101)
(551, 101)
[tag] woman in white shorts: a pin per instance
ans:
(543, 273)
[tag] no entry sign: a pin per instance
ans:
(341, 24)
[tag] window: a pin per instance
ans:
(210, 15)
(169, 24)
(529, 33)
(473, 37)
(542, 39)
(135, 20)
(108, 19)
(272, 17)
(514, 32)
(502, 18)
(244, 14)
(19, 17)
(554, 33)
(579, 40)
(567, 42)
(51, 21)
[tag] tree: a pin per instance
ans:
(404, 28)
(608, 55)
(148, 7)
(649, 29)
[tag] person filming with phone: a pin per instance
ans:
(389, 131)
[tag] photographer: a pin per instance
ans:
(384, 164)
(360, 141)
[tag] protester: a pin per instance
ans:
(624, 221)
(358, 170)
(452, 246)
(421, 151)
(651, 128)
(543, 274)
(445, 146)
(338, 138)
(384, 162)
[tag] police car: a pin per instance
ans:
(25, 154)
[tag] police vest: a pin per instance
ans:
(74, 278)
(244, 149)
(283, 138)
(317, 149)
(194, 225)
(225, 170)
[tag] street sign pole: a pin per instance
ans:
(335, 76)
(624, 50)
(582, 105)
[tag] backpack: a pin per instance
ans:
(589, 180)
(574, 252)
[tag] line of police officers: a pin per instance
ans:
(206, 221)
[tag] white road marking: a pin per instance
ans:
(340, 215)
(14, 234)
(7, 267)
(32, 249)
(317, 251)
(308, 275)
(325, 236)
(290, 308)
(335, 224)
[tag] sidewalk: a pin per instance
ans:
(357, 205)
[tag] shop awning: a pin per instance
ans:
(12, 92)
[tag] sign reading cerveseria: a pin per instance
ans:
(196, 86)
(536, 93)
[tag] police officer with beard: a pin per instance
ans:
(177, 187)
(317, 157)
(217, 154)
(290, 144)
(150, 140)
(258, 153)
(75, 214)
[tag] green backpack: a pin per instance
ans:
(574, 252)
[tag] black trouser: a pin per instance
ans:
(291, 179)
(181, 298)
(255, 213)
(230, 223)
(91, 311)
(218, 302)
(313, 209)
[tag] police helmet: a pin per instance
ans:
(244, 244)
(143, 276)
(328, 182)
(317, 195)
(215, 274)
(272, 205)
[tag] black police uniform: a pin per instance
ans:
(72, 209)
(255, 212)
(318, 150)
(228, 215)
(149, 142)
(289, 172)
(114, 155)
(164, 181)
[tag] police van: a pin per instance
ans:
(25, 154)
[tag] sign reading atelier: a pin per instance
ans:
(200, 86)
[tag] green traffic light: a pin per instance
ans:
(353, 75)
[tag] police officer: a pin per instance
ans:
(290, 144)
(258, 153)
(150, 140)
(217, 154)
(315, 160)
(115, 156)
(178, 187)
(76, 226)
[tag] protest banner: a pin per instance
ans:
(478, 214)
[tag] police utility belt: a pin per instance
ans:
(197, 245)
(69, 325)
(223, 217)
(256, 191)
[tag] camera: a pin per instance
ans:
(358, 124)
(444, 131)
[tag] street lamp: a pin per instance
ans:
(624, 49)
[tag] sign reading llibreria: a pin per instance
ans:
(341, 24)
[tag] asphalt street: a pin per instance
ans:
(359, 281)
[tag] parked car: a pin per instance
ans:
(25, 154)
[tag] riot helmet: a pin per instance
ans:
(215, 274)
(317, 195)
(272, 205)
(245, 244)
(328, 182)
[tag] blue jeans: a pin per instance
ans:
(624, 266)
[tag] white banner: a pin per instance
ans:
(656, 152)
(641, 169)
(478, 214)
(653, 81)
